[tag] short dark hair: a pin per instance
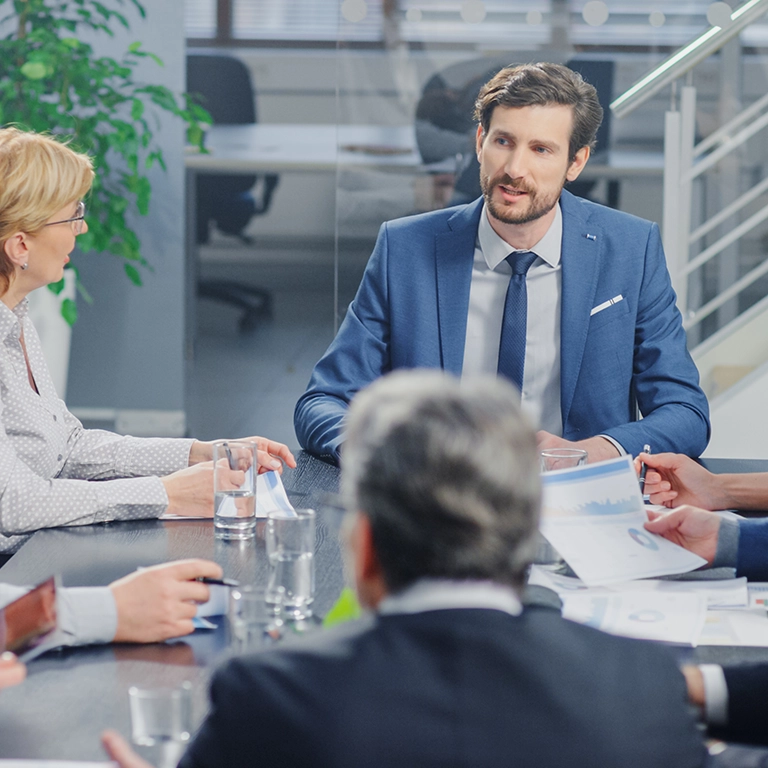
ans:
(447, 473)
(541, 84)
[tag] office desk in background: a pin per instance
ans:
(324, 147)
(71, 696)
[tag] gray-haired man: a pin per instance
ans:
(449, 670)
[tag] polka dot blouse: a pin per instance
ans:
(49, 463)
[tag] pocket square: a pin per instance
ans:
(606, 304)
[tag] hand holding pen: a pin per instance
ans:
(644, 469)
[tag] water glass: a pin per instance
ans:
(562, 458)
(291, 553)
(160, 715)
(252, 621)
(234, 505)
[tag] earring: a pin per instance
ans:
(25, 265)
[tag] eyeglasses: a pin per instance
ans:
(76, 221)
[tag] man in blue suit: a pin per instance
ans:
(570, 300)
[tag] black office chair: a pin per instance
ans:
(223, 85)
(444, 122)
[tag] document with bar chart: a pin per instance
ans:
(593, 515)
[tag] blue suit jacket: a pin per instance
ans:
(411, 311)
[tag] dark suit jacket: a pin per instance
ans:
(747, 687)
(411, 311)
(464, 687)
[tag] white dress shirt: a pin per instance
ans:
(84, 615)
(446, 594)
(487, 293)
(47, 459)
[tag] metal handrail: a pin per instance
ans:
(726, 240)
(694, 317)
(728, 211)
(726, 148)
(687, 58)
(725, 131)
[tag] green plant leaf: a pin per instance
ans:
(137, 109)
(33, 70)
(56, 288)
(133, 274)
(69, 311)
(346, 608)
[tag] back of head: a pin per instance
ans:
(447, 473)
(544, 84)
(40, 176)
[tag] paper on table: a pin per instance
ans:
(217, 604)
(593, 516)
(270, 497)
(758, 594)
(669, 617)
(745, 627)
(725, 593)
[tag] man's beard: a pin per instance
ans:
(537, 206)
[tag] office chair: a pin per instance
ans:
(445, 126)
(223, 85)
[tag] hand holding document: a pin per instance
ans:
(594, 515)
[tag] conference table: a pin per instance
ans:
(72, 695)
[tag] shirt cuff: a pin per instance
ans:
(84, 615)
(715, 694)
(616, 444)
(727, 552)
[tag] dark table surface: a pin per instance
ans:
(70, 696)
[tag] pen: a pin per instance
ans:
(229, 455)
(220, 582)
(644, 468)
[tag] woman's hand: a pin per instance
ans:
(673, 480)
(190, 490)
(270, 454)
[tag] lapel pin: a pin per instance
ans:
(591, 237)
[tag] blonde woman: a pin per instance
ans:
(48, 461)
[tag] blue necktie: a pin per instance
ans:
(512, 344)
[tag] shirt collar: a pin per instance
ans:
(495, 249)
(11, 320)
(444, 594)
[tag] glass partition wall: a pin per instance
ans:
(372, 100)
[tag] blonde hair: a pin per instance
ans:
(38, 177)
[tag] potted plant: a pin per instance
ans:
(51, 80)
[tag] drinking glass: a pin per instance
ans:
(562, 458)
(160, 715)
(253, 624)
(234, 507)
(291, 553)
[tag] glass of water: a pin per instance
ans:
(234, 488)
(253, 624)
(160, 715)
(291, 553)
(562, 458)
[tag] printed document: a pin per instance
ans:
(593, 516)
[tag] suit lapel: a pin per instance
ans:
(454, 255)
(580, 258)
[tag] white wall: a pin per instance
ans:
(127, 348)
